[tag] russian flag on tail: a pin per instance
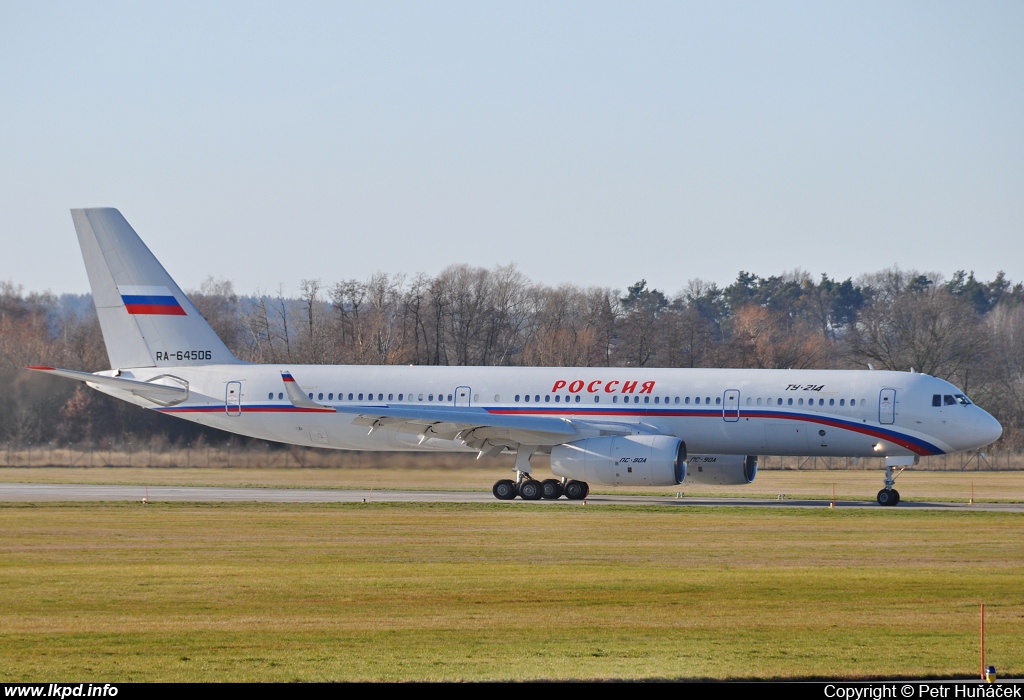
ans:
(150, 301)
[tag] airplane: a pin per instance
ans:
(613, 426)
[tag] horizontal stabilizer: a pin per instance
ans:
(173, 392)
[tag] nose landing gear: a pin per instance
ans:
(889, 496)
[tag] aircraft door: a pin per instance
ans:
(887, 406)
(233, 399)
(462, 395)
(731, 409)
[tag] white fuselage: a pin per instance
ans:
(852, 413)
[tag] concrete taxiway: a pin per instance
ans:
(153, 494)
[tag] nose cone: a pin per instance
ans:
(987, 429)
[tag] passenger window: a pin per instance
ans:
(597, 399)
(789, 402)
(800, 402)
(547, 398)
(557, 398)
(831, 402)
(391, 397)
(527, 398)
(320, 396)
(647, 399)
(821, 402)
(780, 402)
(400, 397)
(656, 399)
(421, 397)
(536, 398)
(270, 396)
(330, 397)
(688, 401)
(842, 402)
(577, 398)
(615, 399)
(748, 401)
(517, 398)
(280, 396)
(759, 402)
(697, 400)
(718, 400)
(677, 399)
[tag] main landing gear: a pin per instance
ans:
(529, 489)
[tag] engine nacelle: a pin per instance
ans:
(721, 469)
(630, 460)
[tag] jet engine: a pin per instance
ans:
(631, 460)
(721, 469)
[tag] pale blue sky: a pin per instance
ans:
(591, 143)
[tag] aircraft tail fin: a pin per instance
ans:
(147, 321)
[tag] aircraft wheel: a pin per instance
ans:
(886, 498)
(505, 489)
(529, 490)
(896, 497)
(551, 489)
(576, 490)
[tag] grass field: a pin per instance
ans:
(989, 486)
(102, 592)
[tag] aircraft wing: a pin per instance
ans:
(173, 392)
(475, 427)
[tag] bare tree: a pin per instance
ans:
(217, 302)
(917, 324)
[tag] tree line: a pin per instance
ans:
(963, 329)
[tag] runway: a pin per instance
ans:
(18, 492)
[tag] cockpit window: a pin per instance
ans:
(936, 399)
(948, 400)
(962, 400)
